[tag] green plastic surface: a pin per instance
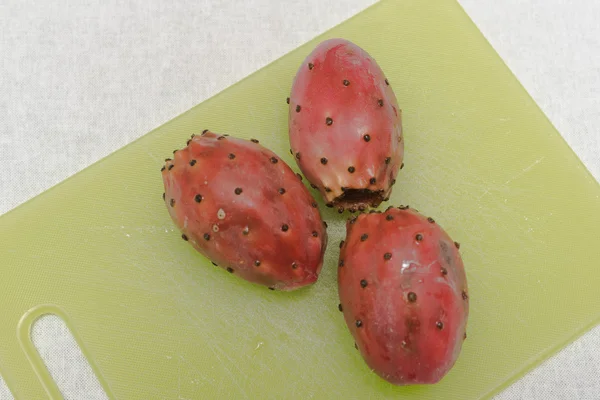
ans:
(159, 322)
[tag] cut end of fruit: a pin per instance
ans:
(309, 280)
(359, 198)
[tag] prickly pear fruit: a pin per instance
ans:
(345, 126)
(404, 295)
(241, 206)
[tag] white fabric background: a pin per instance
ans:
(80, 79)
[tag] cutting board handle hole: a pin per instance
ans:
(59, 357)
(59, 350)
(5, 392)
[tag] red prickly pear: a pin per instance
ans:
(345, 126)
(404, 295)
(240, 205)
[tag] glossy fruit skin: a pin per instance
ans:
(404, 294)
(240, 205)
(345, 126)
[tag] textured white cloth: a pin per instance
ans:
(79, 80)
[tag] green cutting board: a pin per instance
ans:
(157, 321)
